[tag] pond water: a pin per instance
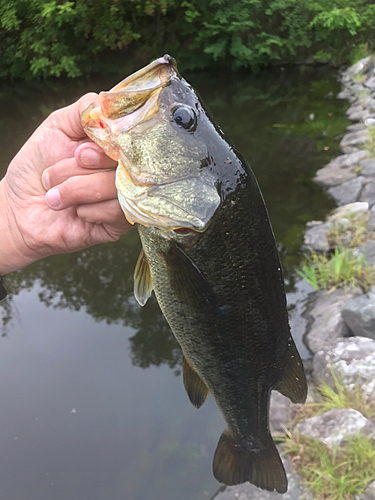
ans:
(92, 401)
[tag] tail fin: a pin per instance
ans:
(234, 464)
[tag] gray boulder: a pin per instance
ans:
(282, 412)
(356, 69)
(370, 83)
(315, 237)
(335, 426)
(354, 141)
(359, 314)
(324, 320)
(333, 175)
(345, 211)
(368, 250)
(349, 160)
(347, 192)
(368, 166)
(247, 491)
(368, 193)
(354, 127)
(353, 359)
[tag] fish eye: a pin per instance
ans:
(185, 117)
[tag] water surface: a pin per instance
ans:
(93, 405)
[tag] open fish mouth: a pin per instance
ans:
(129, 103)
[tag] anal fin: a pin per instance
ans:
(195, 387)
(293, 385)
(235, 464)
(142, 280)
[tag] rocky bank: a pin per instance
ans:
(340, 329)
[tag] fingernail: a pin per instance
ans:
(53, 198)
(45, 181)
(89, 157)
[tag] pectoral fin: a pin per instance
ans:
(195, 387)
(187, 281)
(293, 385)
(142, 280)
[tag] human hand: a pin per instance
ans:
(58, 194)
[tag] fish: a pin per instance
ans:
(209, 255)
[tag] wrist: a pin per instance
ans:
(14, 254)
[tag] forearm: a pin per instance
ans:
(13, 255)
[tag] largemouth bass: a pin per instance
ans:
(209, 254)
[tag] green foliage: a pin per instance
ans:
(343, 269)
(60, 37)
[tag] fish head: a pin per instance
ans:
(152, 123)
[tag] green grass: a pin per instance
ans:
(342, 270)
(338, 473)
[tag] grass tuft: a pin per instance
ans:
(342, 270)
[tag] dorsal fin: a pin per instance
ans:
(293, 385)
(195, 387)
(142, 279)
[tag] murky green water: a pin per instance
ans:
(93, 405)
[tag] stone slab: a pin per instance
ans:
(359, 314)
(335, 426)
(354, 141)
(353, 359)
(347, 192)
(324, 320)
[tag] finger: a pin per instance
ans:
(105, 212)
(64, 169)
(91, 155)
(82, 189)
(68, 119)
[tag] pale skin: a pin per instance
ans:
(58, 194)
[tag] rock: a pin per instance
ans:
(368, 250)
(349, 160)
(331, 176)
(344, 94)
(356, 126)
(324, 321)
(315, 238)
(354, 140)
(368, 494)
(335, 426)
(347, 192)
(370, 83)
(368, 166)
(356, 69)
(342, 225)
(353, 359)
(348, 210)
(357, 114)
(282, 412)
(359, 313)
(368, 193)
(369, 122)
(247, 491)
(371, 221)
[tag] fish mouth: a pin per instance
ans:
(130, 102)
